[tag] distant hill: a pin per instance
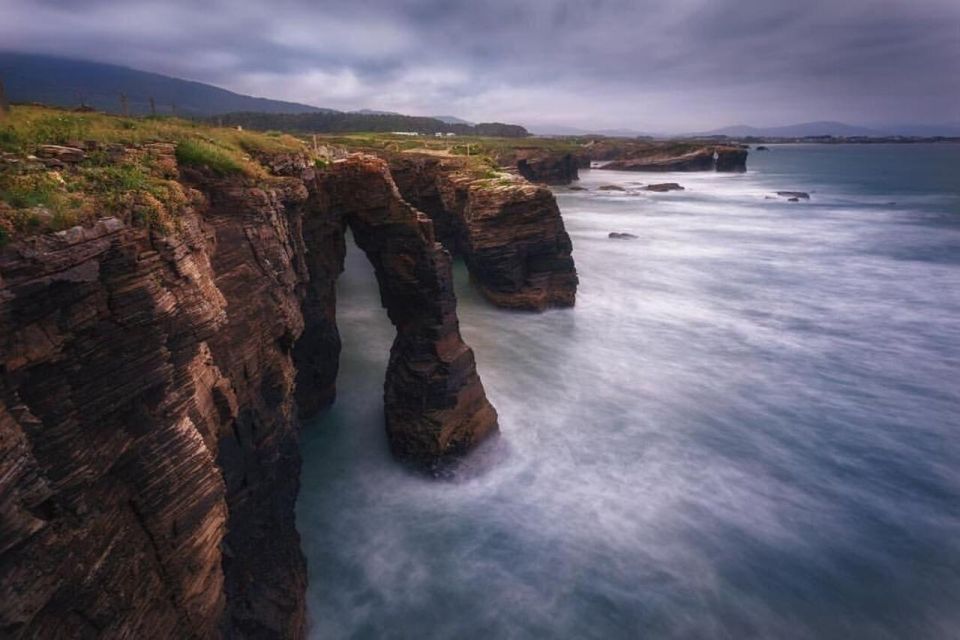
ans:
(375, 112)
(561, 130)
(337, 122)
(793, 131)
(451, 120)
(70, 83)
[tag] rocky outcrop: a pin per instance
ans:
(698, 160)
(149, 430)
(509, 232)
(547, 168)
(149, 391)
(731, 159)
(434, 401)
(663, 187)
(517, 249)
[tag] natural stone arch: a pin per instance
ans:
(434, 400)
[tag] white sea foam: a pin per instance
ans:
(746, 428)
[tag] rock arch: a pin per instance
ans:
(436, 408)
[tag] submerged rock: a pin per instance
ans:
(621, 236)
(762, 148)
(663, 186)
(577, 188)
(794, 194)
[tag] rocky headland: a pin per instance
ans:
(168, 315)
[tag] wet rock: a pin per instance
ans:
(663, 187)
(793, 200)
(762, 148)
(610, 187)
(697, 160)
(510, 235)
(149, 453)
(546, 168)
(794, 194)
(577, 188)
(435, 405)
(731, 159)
(621, 236)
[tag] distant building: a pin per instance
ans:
(451, 134)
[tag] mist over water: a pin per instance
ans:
(747, 427)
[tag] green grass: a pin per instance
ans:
(24, 192)
(199, 153)
(137, 184)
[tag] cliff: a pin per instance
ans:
(508, 231)
(153, 370)
(547, 168)
(675, 157)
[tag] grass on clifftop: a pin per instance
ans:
(123, 173)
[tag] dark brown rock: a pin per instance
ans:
(509, 232)
(697, 160)
(663, 187)
(435, 405)
(545, 168)
(148, 424)
(731, 159)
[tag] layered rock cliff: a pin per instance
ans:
(509, 231)
(150, 386)
(703, 158)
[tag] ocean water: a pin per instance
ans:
(748, 427)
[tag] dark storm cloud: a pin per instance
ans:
(685, 64)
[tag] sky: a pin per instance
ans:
(659, 66)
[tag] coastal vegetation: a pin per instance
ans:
(61, 168)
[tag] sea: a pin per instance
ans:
(747, 427)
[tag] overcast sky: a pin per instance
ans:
(665, 66)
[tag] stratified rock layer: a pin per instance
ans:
(148, 425)
(509, 232)
(434, 401)
(548, 168)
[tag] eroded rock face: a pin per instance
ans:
(700, 160)
(435, 405)
(509, 232)
(148, 423)
(732, 159)
(548, 169)
(114, 508)
(518, 250)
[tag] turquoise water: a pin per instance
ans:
(747, 428)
